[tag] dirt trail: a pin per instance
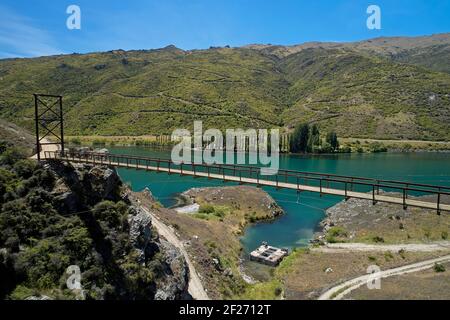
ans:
(195, 285)
(410, 247)
(340, 291)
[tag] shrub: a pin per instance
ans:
(98, 142)
(377, 147)
(76, 141)
(206, 208)
(378, 239)
(12, 155)
(25, 168)
(337, 232)
(388, 256)
(439, 267)
(21, 293)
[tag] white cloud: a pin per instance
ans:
(20, 38)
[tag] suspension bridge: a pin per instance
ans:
(376, 190)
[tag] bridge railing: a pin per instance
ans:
(242, 174)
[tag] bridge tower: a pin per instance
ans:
(49, 121)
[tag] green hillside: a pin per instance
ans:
(359, 90)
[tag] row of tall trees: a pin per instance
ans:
(306, 138)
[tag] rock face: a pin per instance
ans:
(140, 232)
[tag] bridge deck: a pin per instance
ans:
(388, 198)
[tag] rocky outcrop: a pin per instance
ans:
(173, 286)
(83, 184)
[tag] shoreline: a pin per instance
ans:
(367, 145)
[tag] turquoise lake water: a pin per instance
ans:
(304, 212)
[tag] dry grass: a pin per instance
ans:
(304, 275)
(423, 285)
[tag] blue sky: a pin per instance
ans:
(38, 27)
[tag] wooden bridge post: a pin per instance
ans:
(374, 202)
(169, 167)
(320, 186)
(257, 179)
(404, 199)
(438, 202)
(346, 197)
(181, 167)
(157, 165)
(209, 172)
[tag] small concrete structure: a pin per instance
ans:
(268, 255)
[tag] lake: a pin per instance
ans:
(304, 211)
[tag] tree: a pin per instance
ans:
(314, 138)
(333, 140)
(300, 137)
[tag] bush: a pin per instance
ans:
(75, 141)
(25, 168)
(12, 155)
(378, 239)
(377, 147)
(345, 149)
(206, 208)
(337, 232)
(439, 267)
(99, 142)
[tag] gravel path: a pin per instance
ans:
(410, 247)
